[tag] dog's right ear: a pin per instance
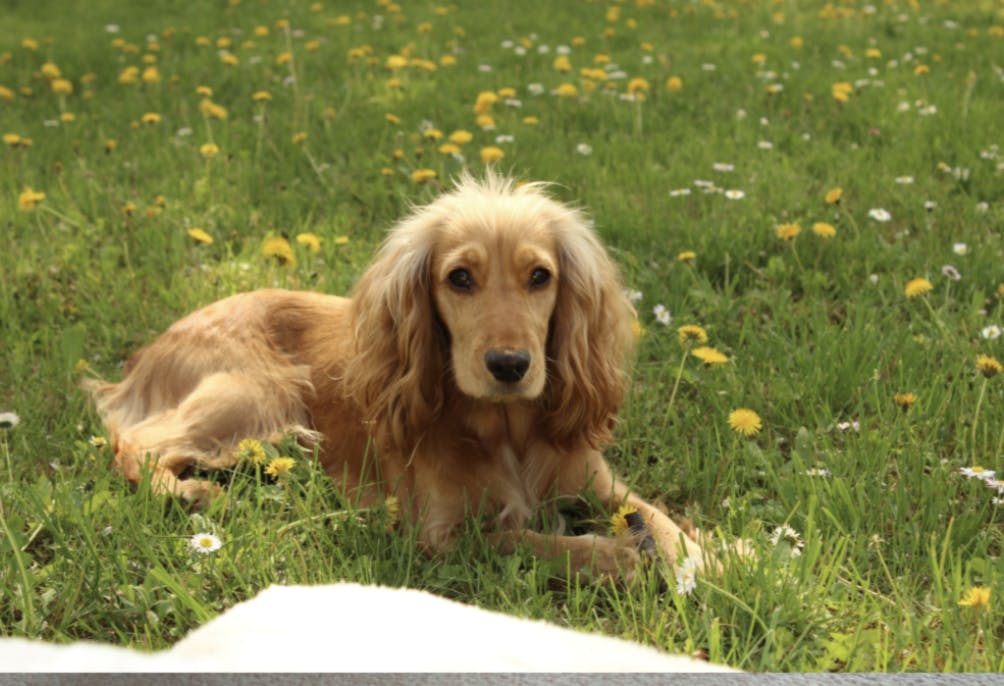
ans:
(396, 372)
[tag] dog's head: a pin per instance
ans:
(502, 292)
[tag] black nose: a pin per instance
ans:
(507, 366)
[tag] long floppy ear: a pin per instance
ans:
(395, 373)
(590, 341)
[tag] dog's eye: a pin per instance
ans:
(460, 279)
(539, 277)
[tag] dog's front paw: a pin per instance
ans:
(614, 559)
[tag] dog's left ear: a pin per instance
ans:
(591, 338)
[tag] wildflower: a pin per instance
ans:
(677, 192)
(879, 214)
(787, 232)
(392, 509)
(950, 272)
(818, 471)
(991, 332)
(735, 194)
(261, 96)
(8, 420)
(833, 195)
(905, 400)
(976, 596)
(449, 149)
(841, 91)
(484, 101)
(745, 422)
(62, 86)
(824, 230)
(566, 90)
(691, 333)
(491, 154)
(674, 83)
(618, 520)
(211, 109)
(661, 314)
(151, 118)
(299, 137)
(562, 64)
(341, 240)
(638, 86)
(279, 466)
(97, 441)
(584, 149)
(209, 150)
(709, 356)
(460, 137)
(199, 235)
(392, 119)
(423, 175)
(915, 287)
(686, 256)
(29, 199)
(251, 450)
(151, 75)
(686, 575)
(278, 248)
(786, 532)
(988, 366)
(978, 472)
(904, 180)
(844, 426)
(960, 248)
(310, 241)
(204, 543)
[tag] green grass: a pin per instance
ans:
(818, 332)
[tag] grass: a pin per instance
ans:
(819, 332)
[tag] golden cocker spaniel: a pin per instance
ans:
(480, 363)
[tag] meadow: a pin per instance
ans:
(818, 187)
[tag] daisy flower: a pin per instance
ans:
(686, 575)
(745, 422)
(978, 472)
(787, 533)
(662, 314)
(735, 194)
(879, 214)
(584, 149)
(205, 543)
(904, 180)
(633, 296)
(677, 192)
(991, 332)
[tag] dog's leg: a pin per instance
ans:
(613, 558)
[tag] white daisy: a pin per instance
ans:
(977, 472)
(735, 194)
(204, 543)
(723, 166)
(879, 214)
(584, 149)
(904, 180)
(633, 296)
(686, 575)
(991, 332)
(675, 193)
(662, 314)
(960, 248)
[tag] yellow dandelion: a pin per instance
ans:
(460, 137)
(128, 209)
(491, 154)
(787, 232)
(921, 69)
(209, 150)
(618, 520)
(251, 450)
(110, 145)
(62, 86)
(710, 356)
(261, 96)
(692, 333)
(151, 118)
(531, 120)
(449, 149)
(211, 109)
(833, 195)
(6, 94)
(745, 422)
(485, 121)
(279, 466)
(395, 62)
(562, 63)
(432, 134)
(12, 139)
(151, 75)
(423, 175)
(299, 137)
(392, 119)
(566, 90)
(278, 248)
(637, 329)
(310, 241)
(29, 44)
(824, 230)
(905, 400)
(341, 240)
(674, 83)
(29, 198)
(199, 235)
(976, 596)
(204, 91)
(686, 256)
(988, 366)
(915, 287)
(484, 101)
(638, 86)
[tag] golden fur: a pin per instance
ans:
(481, 362)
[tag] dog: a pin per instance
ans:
(479, 364)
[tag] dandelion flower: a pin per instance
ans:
(299, 137)
(8, 420)
(976, 596)
(833, 195)
(691, 333)
(905, 400)
(787, 232)
(199, 235)
(151, 118)
(618, 520)
(204, 543)
(491, 154)
(686, 256)
(29, 198)
(916, 287)
(709, 356)
(209, 150)
(745, 422)
(310, 241)
(988, 366)
(423, 175)
(251, 450)
(279, 466)
(261, 96)
(824, 230)
(460, 137)
(674, 83)
(278, 248)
